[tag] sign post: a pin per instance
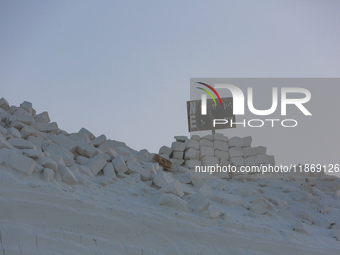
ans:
(199, 122)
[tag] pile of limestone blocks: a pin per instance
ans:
(217, 149)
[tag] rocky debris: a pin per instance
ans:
(31, 144)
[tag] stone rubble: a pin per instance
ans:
(32, 145)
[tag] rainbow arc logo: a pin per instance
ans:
(209, 93)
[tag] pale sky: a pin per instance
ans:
(123, 68)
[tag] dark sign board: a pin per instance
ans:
(199, 122)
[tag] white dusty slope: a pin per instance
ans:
(74, 193)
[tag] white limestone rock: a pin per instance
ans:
(85, 132)
(42, 117)
(48, 163)
(236, 152)
(192, 143)
(66, 175)
(209, 161)
(137, 168)
(206, 143)
(208, 137)
(85, 149)
(247, 141)
(192, 163)
(237, 161)
(25, 119)
(32, 153)
(119, 164)
(300, 227)
(4, 104)
(96, 164)
(174, 187)
(162, 179)
(248, 151)
(195, 137)
(99, 140)
(235, 141)
(271, 160)
(177, 146)
(220, 137)
(109, 171)
(196, 179)
(192, 153)
(177, 154)
(21, 143)
(251, 161)
(4, 144)
(27, 106)
(165, 150)
(260, 150)
(181, 138)
(13, 132)
(207, 152)
(262, 159)
(221, 154)
(27, 131)
(219, 145)
(65, 142)
(259, 208)
(82, 160)
(175, 202)
(48, 174)
(46, 127)
(21, 163)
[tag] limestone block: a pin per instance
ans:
(66, 175)
(219, 145)
(99, 140)
(207, 143)
(236, 151)
(109, 171)
(48, 174)
(208, 137)
(195, 137)
(96, 164)
(48, 163)
(13, 132)
(271, 160)
(177, 146)
(247, 141)
(82, 160)
(243, 191)
(165, 150)
(192, 153)
(28, 131)
(4, 104)
(21, 163)
(220, 137)
(162, 179)
(21, 143)
(175, 202)
(86, 170)
(4, 144)
(248, 151)
(68, 159)
(32, 153)
(181, 138)
(42, 117)
(174, 187)
(235, 141)
(192, 163)
(260, 150)
(192, 143)
(251, 161)
(85, 149)
(209, 161)
(207, 151)
(85, 132)
(65, 142)
(196, 179)
(3, 130)
(221, 154)
(237, 161)
(262, 159)
(177, 154)
(27, 106)
(300, 227)
(134, 168)
(46, 127)
(25, 119)
(198, 200)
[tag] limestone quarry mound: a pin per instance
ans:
(74, 193)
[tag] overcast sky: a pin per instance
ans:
(123, 68)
